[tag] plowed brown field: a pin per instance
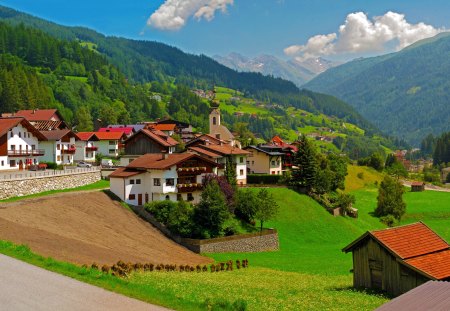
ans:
(87, 227)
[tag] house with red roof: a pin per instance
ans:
(127, 130)
(19, 144)
(158, 177)
(59, 147)
(110, 144)
(43, 119)
(85, 147)
(396, 260)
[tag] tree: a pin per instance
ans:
(304, 175)
(266, 207)
(230, 171)
(397, 170)
(338, 165)
(390, 199)
(211, 212)
(84, 120)
(246, 204)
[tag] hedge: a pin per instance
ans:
(264, 179)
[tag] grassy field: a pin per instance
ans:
(101, 184)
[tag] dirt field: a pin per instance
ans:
(87, 227)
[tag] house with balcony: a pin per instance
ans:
(108, 144)
(59, 147)
(224, 154)
(265, 159)
(85, 147)
(158, 177)
(148, 140)
(19, 144)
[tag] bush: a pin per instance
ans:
(161, 210)
(50, 165)
(389, 220)
(245, 202)
(264, 179)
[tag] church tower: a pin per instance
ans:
(214, 117)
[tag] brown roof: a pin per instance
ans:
(57, 134)
(122, 172)
(158, 136)
(8, 123)
(163, 162)
(203, 138)
(38, 114)
(49, 125)
(436, 265)
(417, 183)
(225, 149)
(165, 127)
(411, 240)
(205, 152)
(431, 296)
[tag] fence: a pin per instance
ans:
(47, 173)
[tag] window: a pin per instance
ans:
(253, 162)
(179, 197)
(112, 151)
(20, 134)
(241, 172)
(58, 147)
(24, 134)
(190, 197)
(131, 181)
(3, 163)
(167, 198)
(112, 142)
(33, 147)
(273, 163)
(13, 147)
(132, 197)
(218, 136)
(138, 181)
(156, 182)
(214, 121)
(241, 160)
(12, 163)
(58, 158)
(170, 182)
(11, 134)
(248, 162)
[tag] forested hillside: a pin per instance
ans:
(405, 94)
(86, 81)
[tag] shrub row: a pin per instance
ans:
(264, 179)
(122, 269)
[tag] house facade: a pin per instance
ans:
(265, 159)
(396, 260)
(157, 177)
(19, 144)
(110, 144)
(59, 147)
(85, 147)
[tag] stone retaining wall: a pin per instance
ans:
(27, 186)
(267, 240)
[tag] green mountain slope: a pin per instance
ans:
(405, 94)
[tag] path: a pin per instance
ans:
(26, 287)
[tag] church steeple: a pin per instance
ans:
(214, 115)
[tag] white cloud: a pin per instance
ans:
(173, 14)
(359, 35)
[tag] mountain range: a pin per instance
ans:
(406, 94)
(298, 72)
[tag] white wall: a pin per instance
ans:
(104, 147)
(25, 140)
(81, 154)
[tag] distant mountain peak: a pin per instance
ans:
(299, 72)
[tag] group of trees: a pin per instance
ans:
(390, 205)
(220, 203)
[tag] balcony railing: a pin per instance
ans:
(187, 171)
(183, 188)
(91, 148)
(68, 151)
(26, 153)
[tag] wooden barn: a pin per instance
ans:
(417, 186)
(396, 260)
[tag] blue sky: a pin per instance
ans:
(253, 27)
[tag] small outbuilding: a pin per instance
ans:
(396, 260)
(417, 186)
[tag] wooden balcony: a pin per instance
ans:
(92, 148)
(191, 171)
(69, 151)
(183, 188)
(26, 153)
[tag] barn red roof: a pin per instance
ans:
(436, 265)
(39, 114)
(85, 136)
(411, 240)
(122, 172)
(8, 123)
(110, 135)
(163, 162)
(126, 130)
(165, 127)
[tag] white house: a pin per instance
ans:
(19, 144)
(157, 177)
(85, 148)
(265, 159)
(110, 143)
(59, 147)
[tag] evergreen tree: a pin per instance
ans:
(84, 120)
(304, 175)
(390, 199)
(230, 172)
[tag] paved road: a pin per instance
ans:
(26, 287)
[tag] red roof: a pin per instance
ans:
(436, 265)
(85, 136)
(205, 152)
(165, 127)
(110, 135)
(126, 130)
(8, 123)
(39, 114)
(417, 183)
(224, 149)
(411, 240)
